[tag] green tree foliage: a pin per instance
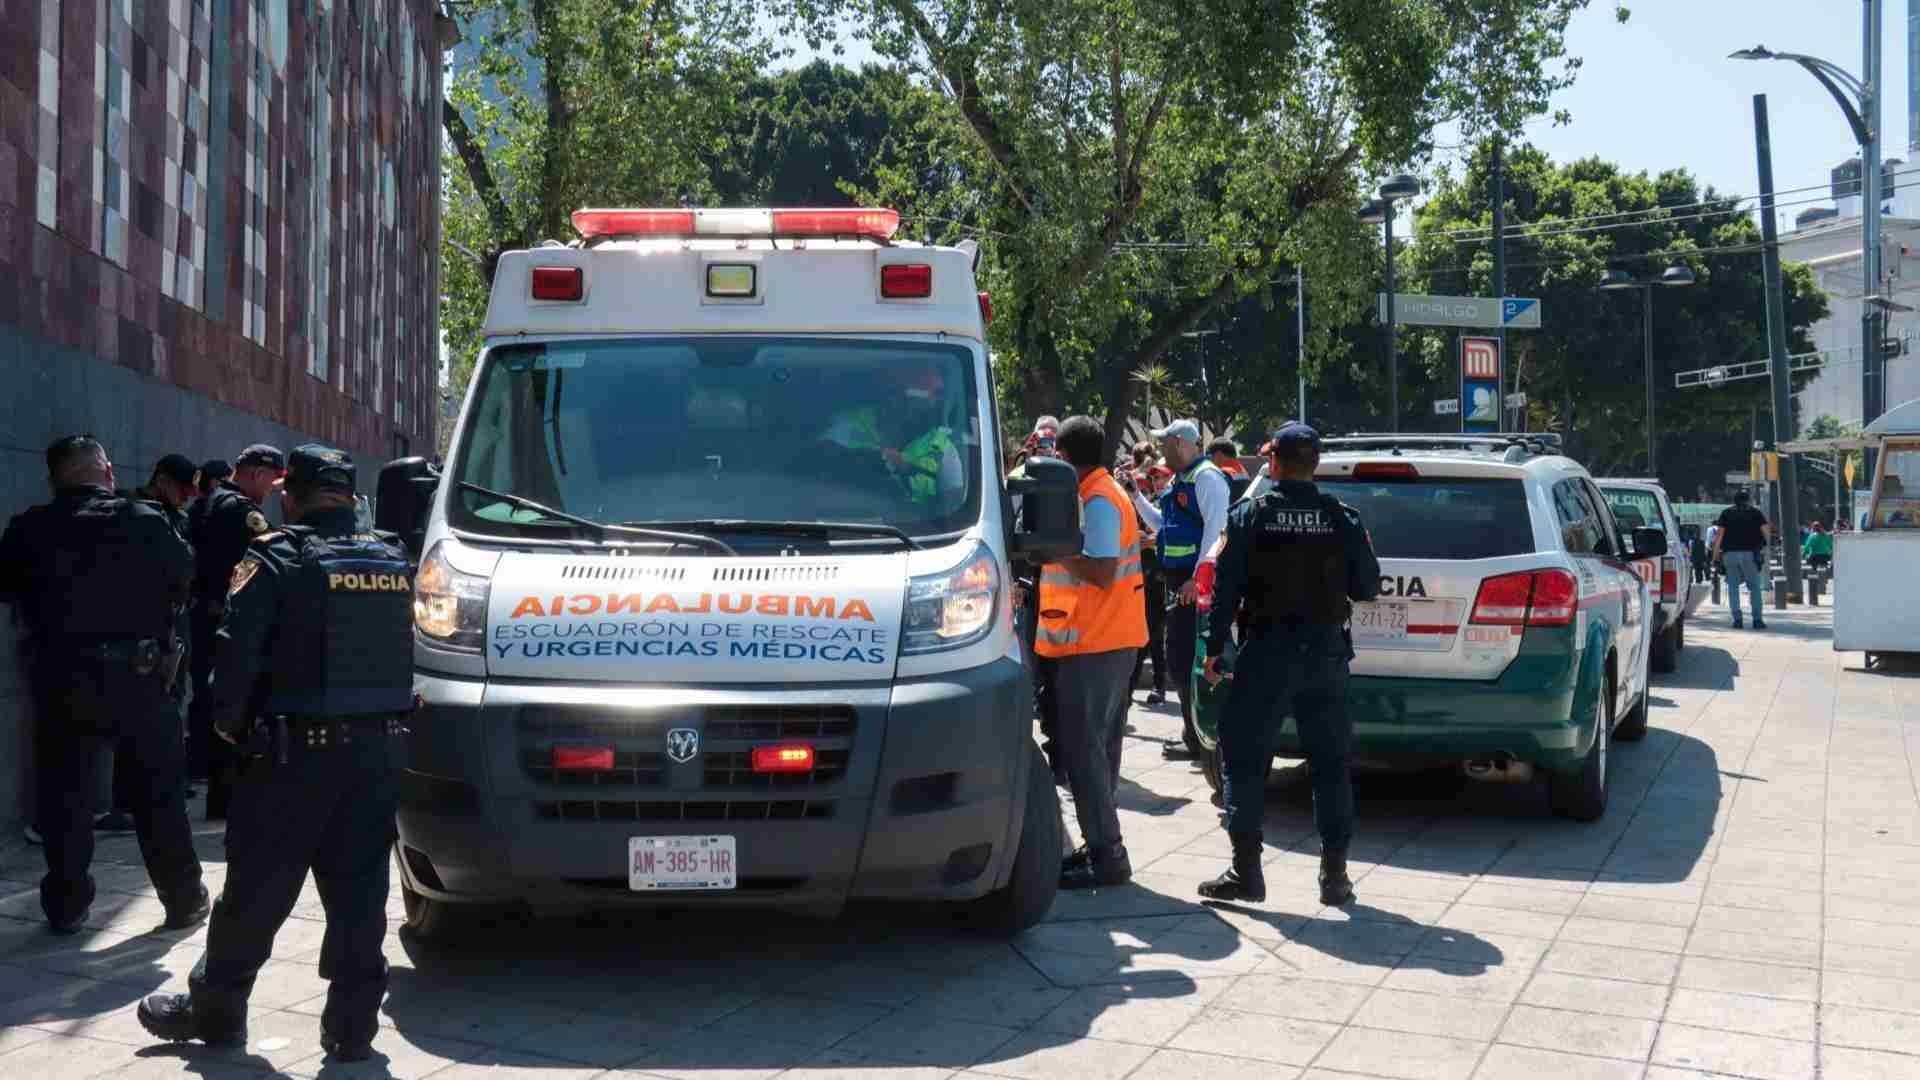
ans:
(1238, 129)
(1582, 371)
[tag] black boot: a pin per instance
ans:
(171, 1017)
(1107, 866)
(342, 1051)
(1081, 856)
(1336, 889)
(1242, 881)
(189, 912)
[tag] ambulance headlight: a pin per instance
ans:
(450, 599)
(953, 608)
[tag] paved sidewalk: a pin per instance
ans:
(1749, 906)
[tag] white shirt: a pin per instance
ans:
(1262, 484)
(1210, 491)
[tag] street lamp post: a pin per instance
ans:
(1380, 211)
(1616, 280)
(1859, 100)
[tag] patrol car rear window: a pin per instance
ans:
(1441, 517)
(647, 430)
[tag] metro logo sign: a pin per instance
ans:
(1480, 358)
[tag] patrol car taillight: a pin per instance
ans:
(906, 281)
(1669, 578)
(986, 309)
(558, 283)
(1528, 598)
(790, 758)
(1385, 470)
(869, 223)
(583, 758)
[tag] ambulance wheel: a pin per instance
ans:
(1580, 793)
(1035, 880)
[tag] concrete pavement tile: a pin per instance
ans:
(1492, 950)
(1668, 1072)
(1579, 1032)
(1522, 1063)
(1561, 881)
(1870, 1029)
(842, 1065)
(905, 1039)
(1396, 909)
(1848, 1063)
(1903, 910)
(1636, 910)
(1148, 894)
(1401, 1054)
(1633, 935)
(1304, 999)
(597, 1039)
(866, 984)
(1612, 997)
(991, 1002)
(1185, 1065)
(13, 1038)
(433, 1010)
(1633, 965)
(1634, 886)
(1431, 1014)
(1522, 898)
(714, 1056)
(1136, 1016)
(1427, 975)
(1878, 935)
(51, 998)
(1042, 1055)
(1727, 1052)
(1299, 962)
(1886, 963)
(1755, 948)
(1871, 991)
(1717, 919)
(1411, 886)
(1483, 920)
(799, 1021)
(497, 1064)
(60, 1057)
(1763, 898)
(1282, 1039)
(1356, 938)
(1255, 924)
(1740, 977)
(395, 1057)
(1744, 1013)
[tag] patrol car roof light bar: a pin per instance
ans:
(864, 223)
(1538, 442)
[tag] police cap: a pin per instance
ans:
(263, 455)
(1294, 436)
(178, 468)
(314, 466)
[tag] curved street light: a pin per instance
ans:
(1380, 212)
(1617, 280)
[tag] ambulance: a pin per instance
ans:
(714, 603)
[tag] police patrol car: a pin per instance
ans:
(1644, 503)
(713, 597)
(1512, 632)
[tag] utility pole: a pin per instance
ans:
(1498, 198)
(1872, 362)
(1783, 431)
(1300, 328)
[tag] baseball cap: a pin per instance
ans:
(1180, 429)
(178, 468)
(1294, 434)
(261, 454)
(317, 466)
(215, 469)
(1046, 423)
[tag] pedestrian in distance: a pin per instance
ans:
(313, 680)
(1818, 548)
(1187, 521)
(1092, 624)
(98, 579)
(1741, 547)
(220, 526)
(1226, 456)
(1294, 562)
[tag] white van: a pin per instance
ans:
(715, 593)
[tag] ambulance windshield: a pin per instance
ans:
(637, 431)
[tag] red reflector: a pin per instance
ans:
(872, 223)
(558, 283)
(592, 224)
(902, 281)
(1502, 600)
(986, 309)
(583, 758)
(1669, 579)
(783, 759)
(1385, 470)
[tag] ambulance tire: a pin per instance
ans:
(1035, 880)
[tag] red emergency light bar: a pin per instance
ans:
(583, 758)
(787, 758)
(869, 223)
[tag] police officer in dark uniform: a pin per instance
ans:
(313, 676)
(97, 579)
(1296, 559)
(220, 524)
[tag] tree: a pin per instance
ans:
(1238, 129)
(1582, 371)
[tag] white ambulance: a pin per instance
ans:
(715, 594)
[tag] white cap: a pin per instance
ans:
(1180, 429)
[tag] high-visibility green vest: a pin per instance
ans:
(856, 429)
(924, 456)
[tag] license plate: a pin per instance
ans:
(1380, 621)
(672, 863)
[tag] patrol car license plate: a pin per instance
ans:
(680, 863)
(1380, 620)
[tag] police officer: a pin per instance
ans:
(1296, 559)
(220, 525)
(313, 675)
(97, 579)
(175, 483)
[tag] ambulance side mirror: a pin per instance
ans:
(1050, 514)
(404, 498)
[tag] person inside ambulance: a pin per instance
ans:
(911, 435)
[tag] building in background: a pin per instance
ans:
(218, 225)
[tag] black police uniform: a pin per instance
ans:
(314, 674)
(220, 525)
(98, 579)
(1296, 558)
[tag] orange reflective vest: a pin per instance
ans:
(1078, 616)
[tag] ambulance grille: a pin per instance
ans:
(803, 574)
(618, 570)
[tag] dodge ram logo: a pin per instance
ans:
(682, 744)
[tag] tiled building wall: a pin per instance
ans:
(216, 221)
